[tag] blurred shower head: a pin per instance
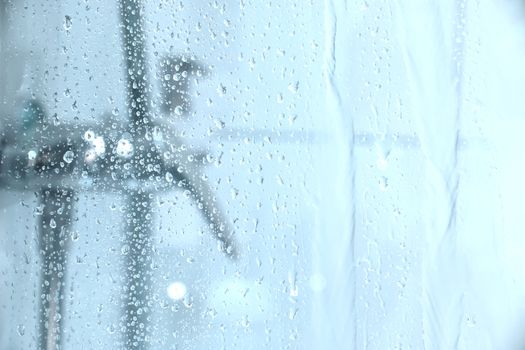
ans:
(175, 73)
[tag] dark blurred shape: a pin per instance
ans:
(54, 226)
(175, 74)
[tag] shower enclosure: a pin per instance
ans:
(243, 174)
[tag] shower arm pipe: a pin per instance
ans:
(108, 173)
(133, 36)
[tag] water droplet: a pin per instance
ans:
(39, 210)
(245, 322)
(52, 223)
(294, 290)
(188, 301)
(89, 135)
(69, 156)
(293, 87)
(221, 90)
(21, 330)
(111, 329)
(169, 177)
(383, 183)
(178, 110)
(220, 124)
(75, 236)
(124, 250)
(67, 23)
(292, 313)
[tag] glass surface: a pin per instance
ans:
(247, 174)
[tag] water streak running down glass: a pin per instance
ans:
(228, 174)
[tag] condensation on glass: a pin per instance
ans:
(242, 174)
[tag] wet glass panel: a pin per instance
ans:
(244, 174)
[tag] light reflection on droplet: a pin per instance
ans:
(124, 148)
(176, 290)
(99, 145)
(31, 155)
(90, 156)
